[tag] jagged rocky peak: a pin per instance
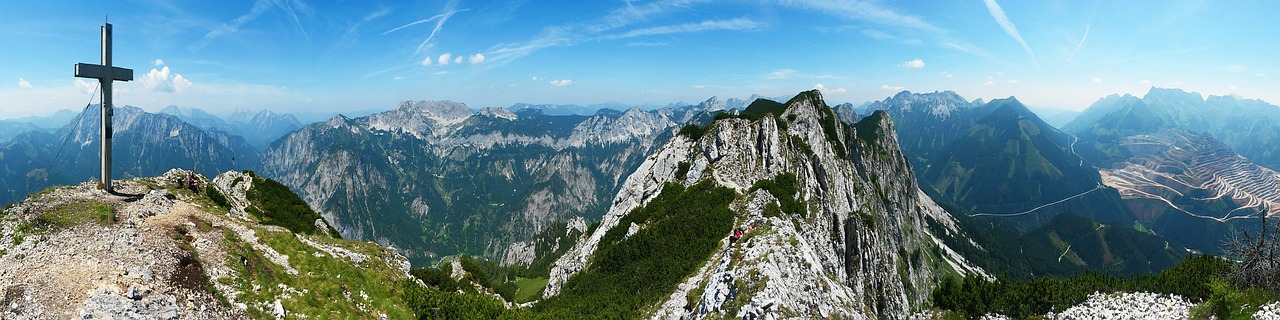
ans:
(939, 104)
(498, 113)
(712, 104)
(337, 121)
(421, 118)
(1173, 96)
(834, 249)
(444, 109)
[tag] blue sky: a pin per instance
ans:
(310, 56)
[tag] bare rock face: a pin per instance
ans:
(862, 250)
(156, 250)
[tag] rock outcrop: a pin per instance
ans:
(862, 250)
(157, 250)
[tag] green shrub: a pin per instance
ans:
(723, 115)
(274, 204)
(973, 296)
(683, 227)
(784, 188)
(693, 131)
(682, 171)
(868, 220)
(761, 107)
(216, 196)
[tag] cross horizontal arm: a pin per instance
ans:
(97, 71)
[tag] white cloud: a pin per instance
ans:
(999, 73)
(562, 83)
(1013, 81)
(164, 80)
(159, 62)
(913, 64)
(427, 61)
(1097, 80)
(1003, 20)
(477, 59)
(22, 83)
(1235, 68)
(1145, 82)
(709, 25)
(989, 83)
(440, 73)
(444, 59)
(699, 86)
(535, 78)
(946, 74)
(782, 73)
(457, 60)
(886, 87)
(1233, 88)
(823, 88)
(1259, 75)
(85, 86)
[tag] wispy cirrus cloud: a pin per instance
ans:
(600, 28)
(612, 25)
(450, 9)
(997, 13)
(782, 74)
(869, 11)
(738, 24)
(1072, 57)
(259, 7)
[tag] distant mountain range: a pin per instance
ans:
(1169, 155)
(145, 144)
(258, 128)
(10, 128)
(998, 159)
(1250, 127)
(435, 178)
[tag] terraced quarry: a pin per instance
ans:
(1193, 176)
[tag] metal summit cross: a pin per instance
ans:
(106, 74)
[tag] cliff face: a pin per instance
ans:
(858, 248)
(156, 250)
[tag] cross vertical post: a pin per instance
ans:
(106, 74)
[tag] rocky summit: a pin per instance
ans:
(848, 239)
(159, 250)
